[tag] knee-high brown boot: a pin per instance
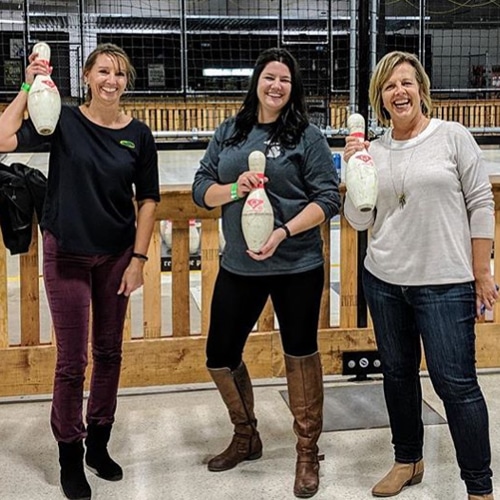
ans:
(305, 393)
(235, 387)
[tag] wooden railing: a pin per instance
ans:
(470, 113)
(153, 356)
(166, 115)
(169, 114)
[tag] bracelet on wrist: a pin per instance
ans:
(287, 231)
(140, 256)
(234, 191)
(25, 86)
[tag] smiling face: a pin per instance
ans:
(107, 79)
(401, 95)
(274, 88)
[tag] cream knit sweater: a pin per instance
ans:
(449, 201)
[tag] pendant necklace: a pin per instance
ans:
(401, 196)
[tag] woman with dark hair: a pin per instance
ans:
(303, 190)
(427, 273)
(94, 248)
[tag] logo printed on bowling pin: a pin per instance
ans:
(257, 217)
(365, 158)
(257, 205)
(44, 101)
(49, 83)
(361, 175)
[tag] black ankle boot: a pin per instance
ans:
(73, 481)
(97, 457)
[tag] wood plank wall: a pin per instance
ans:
(206, 115)
(173, 114)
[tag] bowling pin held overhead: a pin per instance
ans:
(361, 175)
(257, 217)
(44, 101)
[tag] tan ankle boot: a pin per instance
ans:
(489, 496)
(399, 476)
(305, 394)
(235, 387)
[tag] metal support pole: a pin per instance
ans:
(352, 57)
(372, 121)
(26, 34)
(363, 105)
(184, 75)
(421, 32)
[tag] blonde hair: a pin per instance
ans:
(382, 73)
(118, 55)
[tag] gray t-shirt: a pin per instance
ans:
(296, 176)
(449, 201)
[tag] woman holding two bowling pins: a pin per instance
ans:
(94, 248)
(302, 187)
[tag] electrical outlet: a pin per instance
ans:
(361, 363)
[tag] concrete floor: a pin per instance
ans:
(163, 438)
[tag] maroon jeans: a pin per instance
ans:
(73, 283)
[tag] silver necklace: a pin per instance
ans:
(401, 195)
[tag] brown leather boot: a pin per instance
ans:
(235, 387)
(305, 394)
(398, 477)
(489, 496)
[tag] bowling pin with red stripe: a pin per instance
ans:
(257, 217)
(44, 101)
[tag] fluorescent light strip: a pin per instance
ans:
(227, 72)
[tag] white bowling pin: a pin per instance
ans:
(222, 239)
(166, 233)
(361, 174)
(194, 237)
(44, 101)
(257, 217)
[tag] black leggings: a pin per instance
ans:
(239, 300)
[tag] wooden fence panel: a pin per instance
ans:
(210, 267)
(152, 288)
(348, 275)
(153, 357)
(180, 279)
(173, 114)
(324, 315)
(206, 115)
(30, 293)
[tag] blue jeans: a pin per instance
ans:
(443, 318)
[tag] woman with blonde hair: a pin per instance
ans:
(427, 272)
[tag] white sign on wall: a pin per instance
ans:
(156, 75)
(16, 48)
